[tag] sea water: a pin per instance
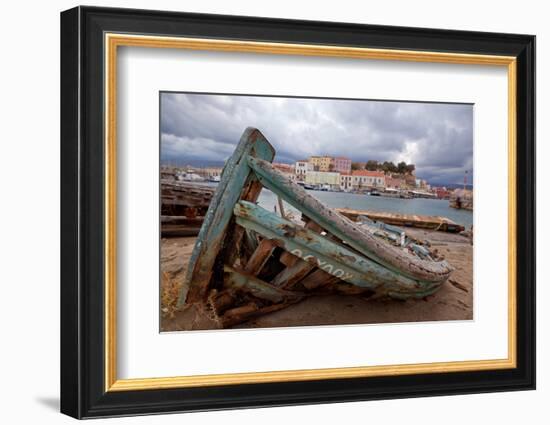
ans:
(419, 206)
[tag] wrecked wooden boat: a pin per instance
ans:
(248, 261)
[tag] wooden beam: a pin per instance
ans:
(296, 267)
(236, 178)
(319, 278)
(293, 274)
(260, 256)
(256, 287)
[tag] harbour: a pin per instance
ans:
(260, 243)
(183, 216)
(420, 206)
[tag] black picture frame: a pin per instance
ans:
(83, 392)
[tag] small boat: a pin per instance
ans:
(442, 224)
(189, 176)
(249, 261)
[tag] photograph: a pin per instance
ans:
(282, 211)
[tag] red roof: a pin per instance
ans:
(367, 173)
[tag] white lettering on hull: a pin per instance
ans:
(323, 265)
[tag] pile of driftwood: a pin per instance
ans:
(183, 207)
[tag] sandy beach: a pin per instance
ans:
(454, 301)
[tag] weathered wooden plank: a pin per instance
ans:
(296, 268)
(187, 202)
(391, 257)
(260, 256)
(293, 274)
(281, 207)
(288, 259)
(235, 176)
(231, 248)
(179, 230)
(249, 311)
(238, 314)
(347, 289)
(181, 219)
(334, 258)
(318, 278)
(241, 281)
(221, 302)
(249, 243)
(443, 224)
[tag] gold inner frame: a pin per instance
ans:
(113, 41)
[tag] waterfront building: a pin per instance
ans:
(323, 178)
(346, 182)
(287, 169)
(394, 182)
(301, 167)
(410, 180)
(363, 179)
(290, 176)
(341, 165)
(210, 172)
(321, 163)
(442, 192)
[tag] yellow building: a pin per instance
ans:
(322, 178)
(321, 163)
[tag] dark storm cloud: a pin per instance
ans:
(435, 137)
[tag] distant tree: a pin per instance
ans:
(410, 168)
(402, 167)
(389, 167)
(356, 166)
(372, 165)
(331, 167)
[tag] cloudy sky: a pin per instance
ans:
(202, 129)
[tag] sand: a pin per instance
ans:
(454, 301)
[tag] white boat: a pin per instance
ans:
(189, 177)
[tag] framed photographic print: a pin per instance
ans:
(261, 212)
